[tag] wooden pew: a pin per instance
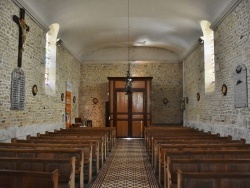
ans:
(64, 139)
(46, 143)
(88, 134)
(187, 147)
(213, 180)
(170, 133)
(51, 154)
(203, 165)
(78, 137)
(27, 179)
(205, 154)
(111, 132)
(86, 147)
(158, 142)
(65, 167)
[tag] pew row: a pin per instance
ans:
(110, 130)
(55, 143)
(65, 167)
(79, 137)
(203, 165)
(204, 154)
(213, 180)
(166, 148)
(51, 154)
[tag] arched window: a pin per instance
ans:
(50, 61)
(209, 66)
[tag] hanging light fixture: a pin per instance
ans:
(128, 86)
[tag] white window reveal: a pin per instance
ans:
(50, 61)
(209, 64)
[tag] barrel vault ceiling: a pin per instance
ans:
(104, 30)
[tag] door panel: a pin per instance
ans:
(137, 129)
(122, 129)
(130, 113)
(122, 102)
(137, 102)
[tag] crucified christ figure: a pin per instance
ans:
(24, 29)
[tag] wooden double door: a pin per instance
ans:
(130, 113)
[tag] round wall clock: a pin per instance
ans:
(34, 90)
(224, 89)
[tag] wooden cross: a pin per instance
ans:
(23, 29)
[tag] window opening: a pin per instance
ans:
(50, 60)
(209, 64)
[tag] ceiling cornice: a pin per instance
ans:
(41, 23)
(225, 13)
(32, 14)
(214, 25)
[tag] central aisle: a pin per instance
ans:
(127, 166)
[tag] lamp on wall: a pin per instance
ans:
(128, 86)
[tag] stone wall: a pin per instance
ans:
(41, 112)
(216, 112)
(166, 83)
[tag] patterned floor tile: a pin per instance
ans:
(126, 166)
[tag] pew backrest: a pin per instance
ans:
(28, 179)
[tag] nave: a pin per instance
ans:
(127, 166)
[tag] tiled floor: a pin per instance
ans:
(126, 166)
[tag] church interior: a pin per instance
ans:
(132, 93)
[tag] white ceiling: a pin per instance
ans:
(96, 29)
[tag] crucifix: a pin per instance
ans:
(18, 77)
(23, 29)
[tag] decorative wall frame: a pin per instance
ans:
(62, 96)
(165, 101)
(224, 89)
(34, 90)
(95, 100)
(198, 96)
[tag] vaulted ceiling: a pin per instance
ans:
(104, 30)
